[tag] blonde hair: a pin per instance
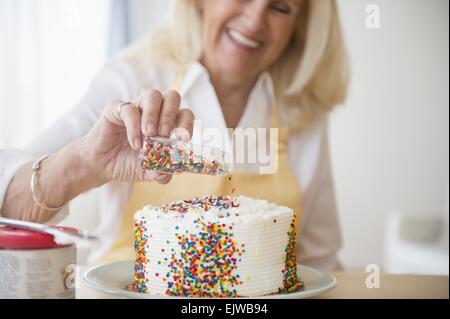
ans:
(313, 69)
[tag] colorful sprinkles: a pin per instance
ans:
(202, 204)
(205, 263)
(140, 243)
(175, 157)
(291, 282)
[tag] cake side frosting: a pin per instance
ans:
(215, 247)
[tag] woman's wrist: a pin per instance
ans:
(61, 177)
(64, 175)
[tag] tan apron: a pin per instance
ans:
(281, 188)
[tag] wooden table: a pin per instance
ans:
(353, 285)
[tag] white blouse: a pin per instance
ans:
(124, 80)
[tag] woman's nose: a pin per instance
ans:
(255, 14)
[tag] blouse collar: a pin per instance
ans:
(196, 71)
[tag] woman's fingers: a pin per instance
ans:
(169, 112)
(158, 177)
(131, 117)
(162, 178)
(152, 114)
(184, 125)
(150, 103)
(127, 115)
(159, 112)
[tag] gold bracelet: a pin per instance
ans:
(33, 184)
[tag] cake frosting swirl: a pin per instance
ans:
(215, 246)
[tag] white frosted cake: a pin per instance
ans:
(217, 246)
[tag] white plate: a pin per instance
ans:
(114, 277)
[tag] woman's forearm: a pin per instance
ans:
(62, 176)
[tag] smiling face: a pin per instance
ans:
(242, 38)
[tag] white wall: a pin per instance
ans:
(389, 143)
(49, 52)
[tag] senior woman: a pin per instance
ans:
(234, 64)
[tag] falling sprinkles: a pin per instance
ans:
(204, 266)
(233, 189)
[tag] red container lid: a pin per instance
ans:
(15, 238)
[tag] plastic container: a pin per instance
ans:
(176, 157)
(33, 265)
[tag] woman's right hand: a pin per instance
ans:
(111, 148)
(109, 152)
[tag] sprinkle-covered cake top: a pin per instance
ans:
(202, 204)
(214, 207)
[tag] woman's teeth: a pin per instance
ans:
(242, 39)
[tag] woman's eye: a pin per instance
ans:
(281, 7)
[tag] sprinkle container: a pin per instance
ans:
(176, 157)
(33, 265)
